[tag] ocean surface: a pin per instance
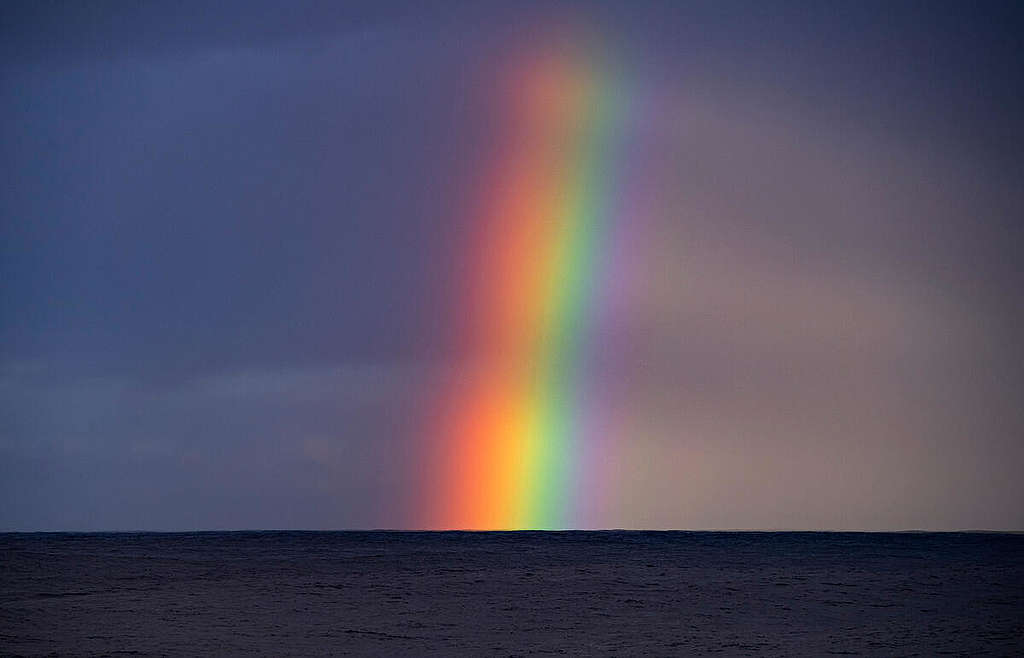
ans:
(512, 594)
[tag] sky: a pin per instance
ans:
(251, 265)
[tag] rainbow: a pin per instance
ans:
(513, 429)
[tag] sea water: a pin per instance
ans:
(512, 594)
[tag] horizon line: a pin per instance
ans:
(516, 530)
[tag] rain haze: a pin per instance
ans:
(241, 266)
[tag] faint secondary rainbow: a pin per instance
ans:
(511, 429)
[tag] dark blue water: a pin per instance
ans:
(512, 594)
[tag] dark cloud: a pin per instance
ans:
(231, 235)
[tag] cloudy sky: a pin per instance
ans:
(234, 236)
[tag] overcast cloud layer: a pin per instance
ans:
(230, 237)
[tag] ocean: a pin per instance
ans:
(512, 593)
